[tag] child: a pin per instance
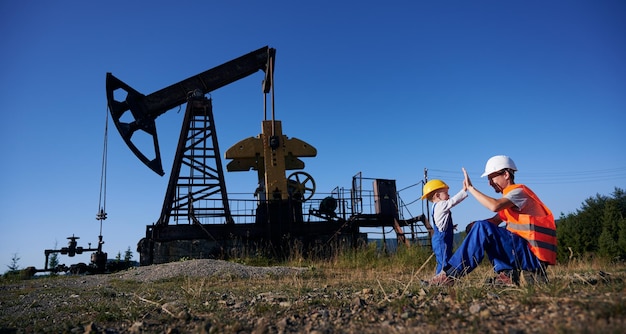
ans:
(436, 191)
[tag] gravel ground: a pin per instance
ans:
(213, 296)
(204, 268)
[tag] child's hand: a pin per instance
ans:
(466, 182)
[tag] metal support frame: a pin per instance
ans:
(197, 173)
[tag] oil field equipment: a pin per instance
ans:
(198, 219)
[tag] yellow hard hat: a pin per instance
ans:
(431, 186)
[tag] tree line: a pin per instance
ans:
(598, 228)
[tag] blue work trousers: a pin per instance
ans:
(504, 249)
(442, 247)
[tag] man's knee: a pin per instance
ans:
(480, 225)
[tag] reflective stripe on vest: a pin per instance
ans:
(539, 231)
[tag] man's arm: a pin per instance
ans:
(493, 204)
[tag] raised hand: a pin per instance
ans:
(466, 182)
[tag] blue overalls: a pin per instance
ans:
(505, 250)
(442, 242)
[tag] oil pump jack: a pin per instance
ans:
(196, 219)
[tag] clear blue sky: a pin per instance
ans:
(387, 88)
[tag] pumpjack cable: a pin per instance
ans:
(103, 176)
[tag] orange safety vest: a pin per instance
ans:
(539, 231)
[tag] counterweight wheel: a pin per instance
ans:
(301, 185)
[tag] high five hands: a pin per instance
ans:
(467, 183)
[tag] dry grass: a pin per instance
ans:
(366, 292)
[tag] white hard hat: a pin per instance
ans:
(498, 163)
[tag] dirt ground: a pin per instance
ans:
(210, 296)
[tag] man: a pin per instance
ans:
(527, 242)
